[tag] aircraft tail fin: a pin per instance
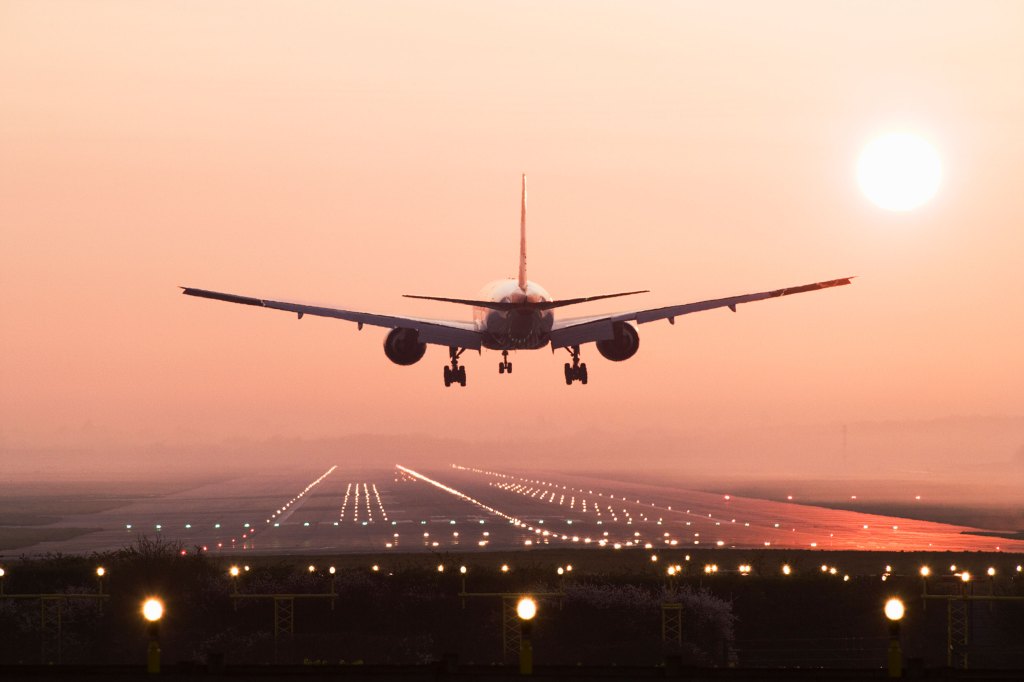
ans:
(522, 239)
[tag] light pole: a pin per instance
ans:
(894, 612)
(526, 609)
(2, 574)
(153, 611)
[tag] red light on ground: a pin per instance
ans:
(184, 552)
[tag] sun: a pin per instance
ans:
(899, 171)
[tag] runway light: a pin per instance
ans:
(965, 576)
(153, 609)
(440, 568)
(952, 568)
(991, 572)
(925, 571)
(100, 571)
(332, 570)
(671, 570)
(233, 571)
(654, 558)
(561, 571)
(824, 568)
(568, 567)
(894, 609)
(375, 568)
(786, 570)
(526, 608)
(2, 573)
(311, 568)
(1020, 568)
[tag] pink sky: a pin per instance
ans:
(346, 153)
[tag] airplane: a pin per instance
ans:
(515, 314)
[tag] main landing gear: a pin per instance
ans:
(504, 367)
(577, 371)
(456, 373)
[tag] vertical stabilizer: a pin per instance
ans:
(522, 239)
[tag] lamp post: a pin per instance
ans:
(2, 574)
(153, 611)
(526, 609)
(894, 612)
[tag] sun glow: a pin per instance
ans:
(899, 171)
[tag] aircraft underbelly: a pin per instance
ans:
(519, 329)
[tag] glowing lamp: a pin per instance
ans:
(925, 571)
(671, 570)
(504, 568)
(153, 610)
(233, 571)
(526, 608)
(991, 572)
(894, 609)
(332, 570)
(965, 576)
(100, 571)
(462, 570)
(561, 570)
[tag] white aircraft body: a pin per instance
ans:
(515, 314)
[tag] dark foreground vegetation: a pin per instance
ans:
(407, 612)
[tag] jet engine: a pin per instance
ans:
(623, 345)
(403, 347)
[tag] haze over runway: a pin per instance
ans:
(461, 509)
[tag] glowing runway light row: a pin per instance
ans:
(281, 510)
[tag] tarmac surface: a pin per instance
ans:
(346, 510)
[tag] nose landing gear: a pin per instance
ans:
(504, 367)
(577, 371)
(456, 373)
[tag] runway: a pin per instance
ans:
(344, 510)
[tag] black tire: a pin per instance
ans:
(568, 374)
(583, 374)
(501, 368)
(462, 376)
(508, 367)
(447, 376)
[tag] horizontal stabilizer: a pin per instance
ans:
(537, 305)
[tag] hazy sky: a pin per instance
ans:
(347, 153)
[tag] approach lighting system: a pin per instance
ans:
(462, 570)
(100, 571)
(966, 576)
(153, 609)
(925, 571)
(786, 569)
(504, 568)
(233, 571)
(526, 608)
(311, 568)
(894, 609)
(991, 572)
(332, 570)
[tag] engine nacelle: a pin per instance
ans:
(403, 347)
(623, 345)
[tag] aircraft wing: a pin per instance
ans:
(579, 330)
(440, 332)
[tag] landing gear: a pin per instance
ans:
(577, 371)
(504, 366)
(456, 373)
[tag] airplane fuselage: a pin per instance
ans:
(516, 329)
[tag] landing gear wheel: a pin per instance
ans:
(501, 368)
(508, 367)
(575, 371)
(454, 373)
(504, 367)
